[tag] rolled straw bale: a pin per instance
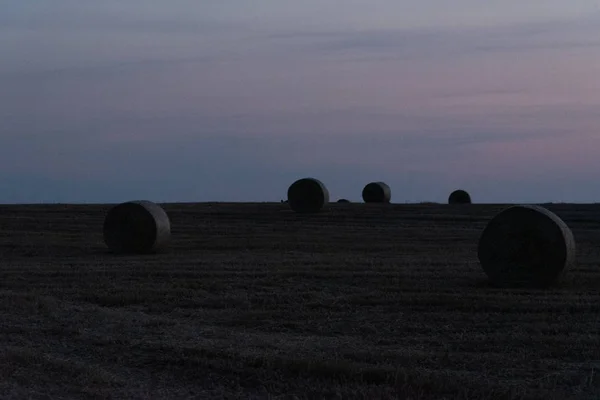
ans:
(137, 227)
(526, 245)
(343, 201)
(459, 197)
(307, 195)
(377, 192)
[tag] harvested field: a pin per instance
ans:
(257, 301)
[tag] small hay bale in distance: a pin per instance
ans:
(526, 246)
(459, 197)
(137, 227)
(307, 195)
(377, 192)
(343, 201)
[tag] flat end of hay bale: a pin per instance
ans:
(377, 192)
(307, 195)
(526, 245)
(459, 197)
(137, 227)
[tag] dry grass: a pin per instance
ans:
(256, 301)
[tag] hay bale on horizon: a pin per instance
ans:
(377, 192)
(139, 227)
(459, 197)
(307, 195)
(343, 201)
(526, 245)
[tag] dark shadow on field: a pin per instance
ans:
(70, 253)
(569, 282)
(486, 283)
(110, 254)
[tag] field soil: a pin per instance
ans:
(253, 301)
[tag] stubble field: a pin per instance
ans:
(255, 301)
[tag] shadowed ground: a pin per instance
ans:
(255, 301)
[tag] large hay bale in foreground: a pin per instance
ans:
(377, 192)
(137, 227)
(526, 245)
(459, 197)
(307, 195)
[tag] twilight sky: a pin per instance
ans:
(233, 100)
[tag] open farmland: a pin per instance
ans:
(255, 301)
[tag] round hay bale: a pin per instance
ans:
(343, 201)
(139, 227)
(307, 195)
(377, 192)
(459, 197)
(526, 245)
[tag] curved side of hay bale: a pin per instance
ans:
(459, 197)
(307, 195)
(139, 227)
(377, 192)
(526, 245)
(343, 201)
